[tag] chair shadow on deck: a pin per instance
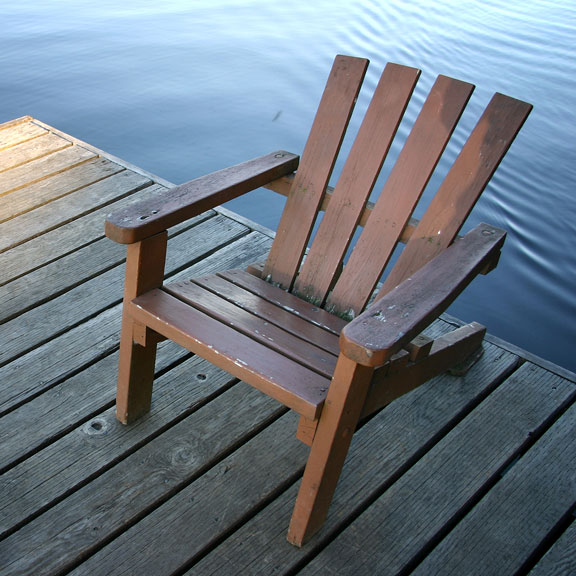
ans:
(302, 327)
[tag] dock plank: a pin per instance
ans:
(502, 533)
(53, 279)
(33, 149)
(19, 132)
(41, 368)
(93, 439)
(56, 186)
(467, 474)
(70, 207)
(414, 514)
(186, 525)
(43, 167)
(560, 560)
(126, 491)
(60, 241)
(59, 314)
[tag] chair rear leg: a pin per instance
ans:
(144, 271)
(338, 421)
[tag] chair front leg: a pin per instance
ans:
(336, 427)
(144, 271)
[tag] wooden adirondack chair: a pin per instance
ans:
(298, 328)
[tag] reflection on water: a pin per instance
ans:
(183, 87)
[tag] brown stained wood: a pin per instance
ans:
(192, 198)
(269, 312)
(285, 300)
(356, 182)
(283, 185)
(334, 432)
(447, 350)
(419, 347)
(44, 167)
(475, 165)
(297, 387)
(301, 350)
(402, 190)
(19, 132)
(306, 430)
(403, 313)
(318, 160)
(145, 262)
(31, 150)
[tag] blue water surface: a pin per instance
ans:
(182, 88)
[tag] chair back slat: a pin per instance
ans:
(401, 192)
(356, 182)
(315, 169)
(469, 175)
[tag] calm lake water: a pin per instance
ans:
(183, 87)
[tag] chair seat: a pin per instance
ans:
(294, 342)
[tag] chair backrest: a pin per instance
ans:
(320, 277)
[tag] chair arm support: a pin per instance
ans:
(148, 217)
(400, 315)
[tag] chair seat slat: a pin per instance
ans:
(293, 304)
(299, 388)
(271, 313)
(258, 329)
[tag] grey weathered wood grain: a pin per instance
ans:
(506, 527)
(89, 446)
(102, 508)
(37, 194)
(48, 416)
(70, 207)
(61, 313)
(33, 149)
(56, 243)
(42, 368)
(560, 560)
(43, 167)
(19, 132)
(55, 278)
(385, 447)
(447, 481)
(195, 517)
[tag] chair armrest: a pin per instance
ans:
(148, 217)
(401, 314)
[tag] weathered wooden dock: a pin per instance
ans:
(466, 475)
